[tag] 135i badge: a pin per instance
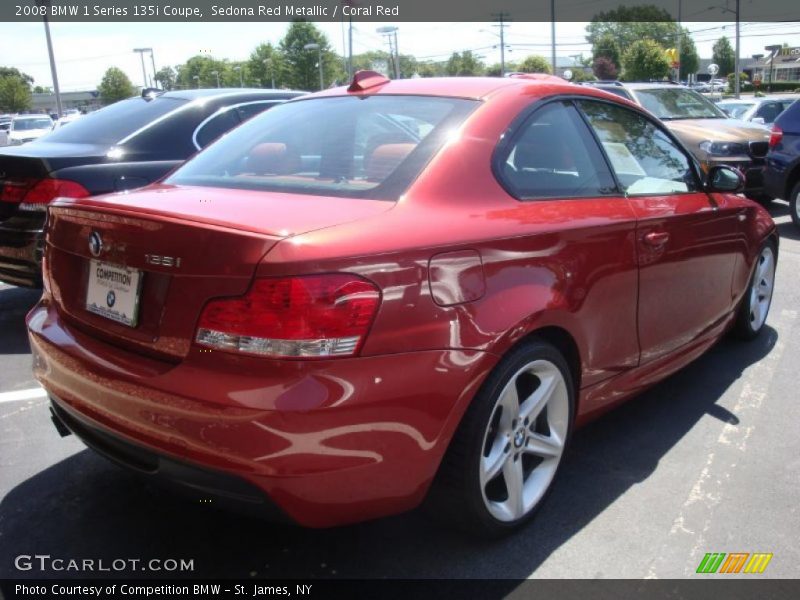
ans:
(164, 261)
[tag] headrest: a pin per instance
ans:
(271, 158)
(384, 159)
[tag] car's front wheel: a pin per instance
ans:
(794, 204)
(505, 455)
(757, 299)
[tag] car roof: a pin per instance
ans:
(462, 87)
(223, 92)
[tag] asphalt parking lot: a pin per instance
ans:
(707, 461)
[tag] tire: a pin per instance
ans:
(505, 455)
(757, 300)
(794, 204)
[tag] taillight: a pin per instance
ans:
(40, 191)
(302, 317)
(775, 136)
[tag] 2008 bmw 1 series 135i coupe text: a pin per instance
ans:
(394, 292)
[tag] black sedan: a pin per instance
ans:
(121, 147)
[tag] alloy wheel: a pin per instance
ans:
(761, 288)
(524, 440)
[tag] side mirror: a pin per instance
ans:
(724, 179)
(759, 120)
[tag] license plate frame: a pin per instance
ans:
(109, 286)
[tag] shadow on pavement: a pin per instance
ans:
(15, 302)
(87, 508)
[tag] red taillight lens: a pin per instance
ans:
(304, 317)
(40, 191)
(775, 136)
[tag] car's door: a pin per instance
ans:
(769, 111)
(687, 241)
(578, 232)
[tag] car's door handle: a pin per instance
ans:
(656, 238)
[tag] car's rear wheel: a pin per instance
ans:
(503, 459)
(757, 299)
(794, 204)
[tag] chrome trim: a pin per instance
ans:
(226, 109)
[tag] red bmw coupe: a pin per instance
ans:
(393, 291)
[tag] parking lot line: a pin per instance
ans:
(29, 394)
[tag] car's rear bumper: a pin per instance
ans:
(328, 441)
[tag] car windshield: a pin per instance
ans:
(736, 110)
(113, 123)
(30, 124)
(354, 146)
(678, 103)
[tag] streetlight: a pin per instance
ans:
(141, 52)
(153, 62)
(53, 73)
(197, 79)
(388, 31)
(217, 75)
(241, 81)
(318, 48)
(736, 84)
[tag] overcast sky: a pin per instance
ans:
(85, 50)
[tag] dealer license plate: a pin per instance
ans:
(113, 292)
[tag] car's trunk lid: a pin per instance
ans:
(188, 244)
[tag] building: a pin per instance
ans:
(46, 103)
(785, 66)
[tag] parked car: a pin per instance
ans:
(121, 147)
(331, 314)
(782, 177)
(762, 111)
(27, 128)
(707, 131)
(66, 120)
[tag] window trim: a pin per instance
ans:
(225, 109)
(692, 159)
(514, 131)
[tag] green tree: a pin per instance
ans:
(722, 55)
(645, 60)
(115, 86)
(266, 64)
(202, 67)
(15, 94)
(629, 24)
(494, 70)
(302, 71)
(690, 61)
(534, 64)
(464, 64)
(13, 72)
(431, 69)
(166, 76)
(607, 46)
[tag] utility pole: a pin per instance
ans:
(53, 72)
(394, 54)
(141, 52)
(502, 19)
(680, 36)
(153, 62)
(553, 34)
(737, 83)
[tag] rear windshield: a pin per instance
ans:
(114, 123)
(678, 103)
(33, 123)
(735, 109)
(360, 147)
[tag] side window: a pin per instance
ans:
(249, 110)
(644, 158)
(769, 112)
(553, 155)
(215, 127)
